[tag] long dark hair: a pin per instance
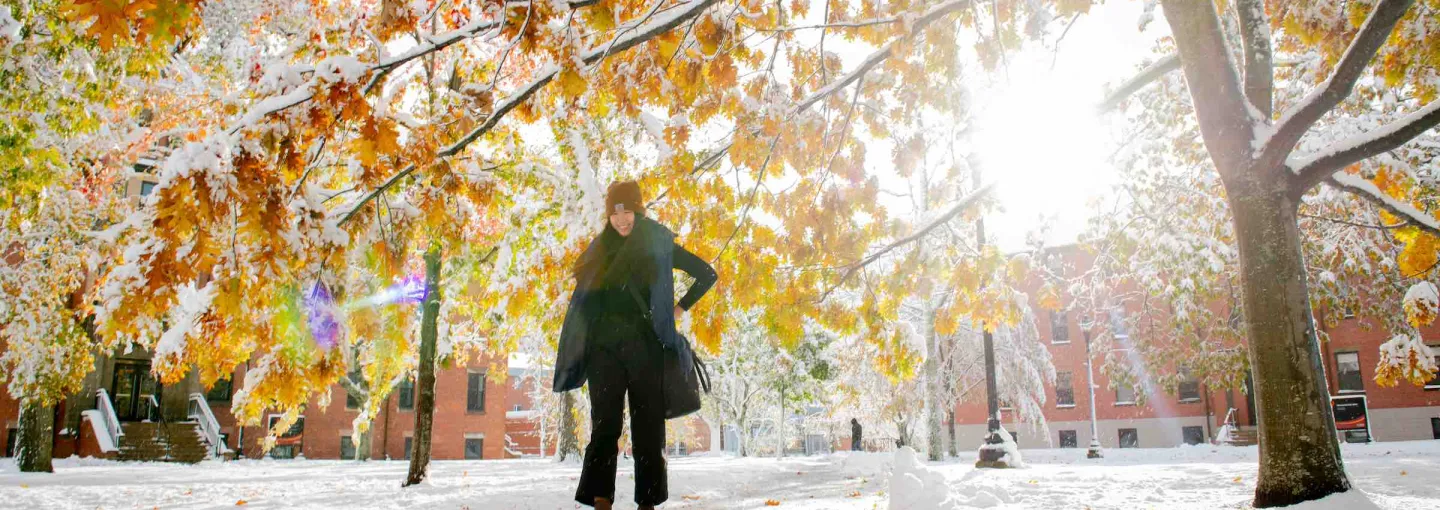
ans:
(613, 258)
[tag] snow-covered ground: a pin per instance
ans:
(1391, 475)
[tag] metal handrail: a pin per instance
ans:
(153, 405)
(112, 422)
(209, 426)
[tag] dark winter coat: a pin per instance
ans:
(650, 249)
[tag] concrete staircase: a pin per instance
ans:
(1244, 436)
(157, 442)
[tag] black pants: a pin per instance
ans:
(627, 361)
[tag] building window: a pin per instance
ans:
(10, 435)
(474, 448)
(409, 443)
(518, 407)
(352, 402)
(1067, 439)
(1129, 438)
(146, 188)
(1064, 390)
(220, 392)
(1193, 434)
(1124, 395)
(1189, 387)
(1059, 328)
(291, 443)
(1435, 428)
(1434, 384)
(475, 396)
(347, 447)
(1347, 368)
(407, 394)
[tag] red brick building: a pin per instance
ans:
(1195, 412)
(469, 420)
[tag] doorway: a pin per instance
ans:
(134, 387)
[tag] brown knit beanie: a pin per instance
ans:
(625, 193)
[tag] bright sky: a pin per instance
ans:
(1036, 130)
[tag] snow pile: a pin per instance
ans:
(1349, 500)
(914, 486)
(1011, 456)
(864, 464)
(101, 430)
(1421, 303)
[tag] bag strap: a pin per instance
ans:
(640, 302)
(701, 372)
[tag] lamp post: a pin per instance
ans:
(1095, 451)
(992, 453)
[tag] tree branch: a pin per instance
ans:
(1151, 73)
(961, 206)
(1352, 223)
(1312, 169)
(1225, 122)
(1299, 118)
(1259, 60)
(629, 39)
(1365, 189)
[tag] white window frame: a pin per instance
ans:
(1359, 367)
(1119, 402)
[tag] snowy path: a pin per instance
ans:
(1394, 475)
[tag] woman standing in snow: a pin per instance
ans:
(620, 322)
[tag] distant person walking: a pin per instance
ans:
(620, 322)
(856, 435)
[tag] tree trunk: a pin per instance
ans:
(425, 386)
(362, 450)
(935, 445)
(569, 443)
(780, 428)
(1299, 454)
(953, 451)
(37, 436)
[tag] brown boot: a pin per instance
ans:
(647, 507)
(602, 504)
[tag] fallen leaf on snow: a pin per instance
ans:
(240, 502)
(1237, 479)
(853, 494)
(1402, 473)
(771, 502)
(690, 497)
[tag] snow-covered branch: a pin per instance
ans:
(1367, 190)
(960, 206)
(658, 24)
(1146, 76)
(1299, 118)
(1312, 169)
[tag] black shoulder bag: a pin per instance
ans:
(682, 390)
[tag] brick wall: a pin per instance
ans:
(324, 427)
